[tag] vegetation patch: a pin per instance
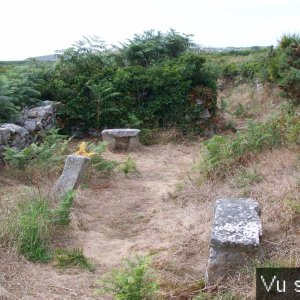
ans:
(29, 229)
(73, 258)
(134, 280)
(222, 153)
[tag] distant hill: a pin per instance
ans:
(51, 57)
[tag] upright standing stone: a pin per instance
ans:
(74, 171)
(235, 238)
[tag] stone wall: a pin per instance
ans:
(28, 128)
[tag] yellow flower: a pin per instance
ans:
(83, 150)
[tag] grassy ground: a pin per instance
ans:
(165, 210)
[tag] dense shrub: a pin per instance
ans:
(147, 81)
(21, 86)
(290, 67)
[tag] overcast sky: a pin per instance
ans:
(39, 27)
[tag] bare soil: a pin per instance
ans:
(117, 217)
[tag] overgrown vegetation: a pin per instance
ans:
(152, 81)
(46, 155)
(134, 280)
(222, 153)
(29, 228)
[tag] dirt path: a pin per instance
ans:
(119, 216)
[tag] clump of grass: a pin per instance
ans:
(222, 153)
(128, 166)
(73, 258)
(246, 177)
(294, 205)
(61, 214)
(134, 280)
(29, 229)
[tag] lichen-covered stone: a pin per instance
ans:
(235, 238)
(74, 171)
(236, 223)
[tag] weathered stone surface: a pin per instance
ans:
(41, 111)
(74, 171)
(205, 114)
(237, 223)
(15, 129)
(30, 125)
(27, 129)
(133, 143)
(119, 133)
(113, 135)
(4, 135)
(235, 238)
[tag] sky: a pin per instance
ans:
(31, 28)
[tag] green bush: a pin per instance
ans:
(134, 281)
(29, 228)
(147, 81)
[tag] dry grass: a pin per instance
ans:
(246, 102)
(281, 243)
(151, 213)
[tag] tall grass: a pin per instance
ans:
(32, 224)
(222, 153)
(29, 229)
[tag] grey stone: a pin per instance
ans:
(31, 114)
(74, 171)
(4, 136)
(112, 135)
(41, 111)
(119, 133)
(199, 101)
(19, 142)
(133, 143)
(235, 238)
(205, 114)
(30, 125)
(15, 129)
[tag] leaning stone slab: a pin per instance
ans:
(235, 238)
(73, 174)
(113, 135)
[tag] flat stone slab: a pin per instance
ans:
(74, 171)
(119, 133)
(237, 223)
(235, 238)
